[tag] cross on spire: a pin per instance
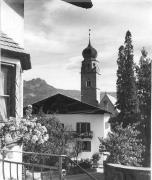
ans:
(89, 36)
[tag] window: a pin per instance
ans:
(7, 91)
(88, 83)
(86, 146)
(83, 127)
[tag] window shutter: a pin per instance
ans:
(89, 145)
(11, 90)
(78, 128)
(88, 127)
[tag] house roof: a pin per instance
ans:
(113, 94)
(112, 99)
(62, 104)
(10, 48)
(17, 5)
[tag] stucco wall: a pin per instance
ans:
(110, 107)
(106, 124)
(97, 125)
(11, 23)
(120, 172)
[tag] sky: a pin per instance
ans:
(57, 32)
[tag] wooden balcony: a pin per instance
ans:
(83, 135)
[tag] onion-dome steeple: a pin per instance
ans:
(89, 52)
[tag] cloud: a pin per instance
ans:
(74, 63)
(57, 32)
(40, 43)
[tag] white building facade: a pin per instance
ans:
(13, 61)
(89, 127)
(87, 122)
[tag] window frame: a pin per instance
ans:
(88, 83)
(10, 95)
(79, 127)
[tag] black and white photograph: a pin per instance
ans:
(75, 89)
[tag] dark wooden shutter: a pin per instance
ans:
(88, 127)
(88, 145)
(11, 84)
(78, 128)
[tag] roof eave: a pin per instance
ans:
(23, 57)
(87, 4)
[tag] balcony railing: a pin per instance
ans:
(83, 135)
(27, 170)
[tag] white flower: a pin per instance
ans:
(34, 139)
(12, 119)
(28, 123)
(46, 137)
(44, 130)
(38, 133)
(12, 128)
(41, 141)
(8, 138)
(26, 136)
(38, 125)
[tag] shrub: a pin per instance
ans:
(124, 145)
(85, 164)
(95, 157)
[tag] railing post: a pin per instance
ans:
(60, 167)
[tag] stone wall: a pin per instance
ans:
(120, 172)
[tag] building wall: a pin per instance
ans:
(18, 85)
(97, 125)
(89, 71)
(107, 125)
(117, 171)
(11, 23)
(89, 94)
(109, 107)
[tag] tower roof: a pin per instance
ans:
(89, 51)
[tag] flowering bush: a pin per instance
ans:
(27, 129)
(33, 132)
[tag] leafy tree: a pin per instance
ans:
(126, 85)
(124, 146)
(120, 79)
(56, 143)
(58, 135)
(144, 100)
(76, 148)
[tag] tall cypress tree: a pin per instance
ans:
(126, 84)
(144, 99)
(120, 78)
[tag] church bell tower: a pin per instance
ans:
(89, 76)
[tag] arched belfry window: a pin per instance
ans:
(88, 83)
